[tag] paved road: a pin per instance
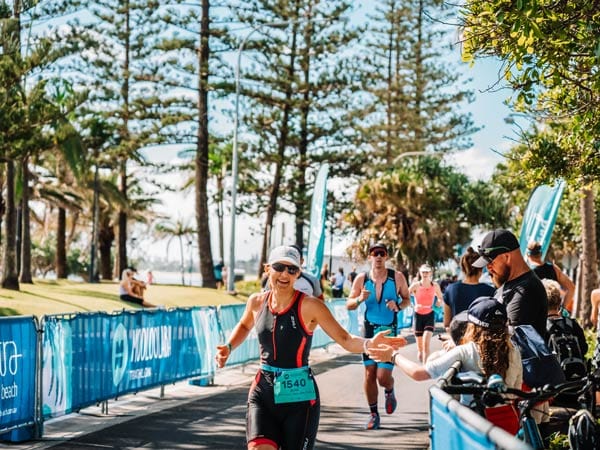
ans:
(212, 417)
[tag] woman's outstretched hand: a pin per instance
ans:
(223, 353)
(395, 342)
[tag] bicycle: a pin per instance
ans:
(493, 392)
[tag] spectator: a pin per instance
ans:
(459, 295)
(337, 283)
(352, 275)
(553, 290)
(126, 290)
(218, 272)
(485, 347)
(552, 272)
(445, 282)
(518, 287)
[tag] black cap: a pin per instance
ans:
(377, 245)
(493, 244)
(487, 312)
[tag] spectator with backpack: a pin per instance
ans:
(565, 336)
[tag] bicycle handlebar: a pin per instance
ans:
(543, 393)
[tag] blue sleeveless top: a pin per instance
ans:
(376, 311)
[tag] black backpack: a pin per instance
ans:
(563, 342)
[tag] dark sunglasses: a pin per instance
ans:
(487, 252)
(280, 267)
(378, 253)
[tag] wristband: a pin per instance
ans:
(357, 301)
(229, 347)
(394, 357)
(365, 344)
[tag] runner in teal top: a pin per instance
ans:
(384, 292)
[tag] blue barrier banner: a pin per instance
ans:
(88, 358)
(229, 315)
(450, 433)
(405, 317)
(18, 351)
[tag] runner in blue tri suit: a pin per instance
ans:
(283, 403)
(384, 292)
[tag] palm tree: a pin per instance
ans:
(179, 229)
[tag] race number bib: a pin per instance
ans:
(294, 385)
(384, 328)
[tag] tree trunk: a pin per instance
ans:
(106, 236)
(590, 258)
(122, 250)
(61, 244)
(10, 278)
(26, 226)
(201, 177)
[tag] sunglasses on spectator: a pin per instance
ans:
(487, 252)
(280, 267)
(378, 253)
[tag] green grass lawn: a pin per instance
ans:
(57, 297)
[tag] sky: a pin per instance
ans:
(478, 162)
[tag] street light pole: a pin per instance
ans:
(234, 165)
(95, 219)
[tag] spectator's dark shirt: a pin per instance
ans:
(459, 296)
(526, 301)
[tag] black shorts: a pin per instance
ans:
(369, 329)
(291, 426)
(132, 299)
(424, 322)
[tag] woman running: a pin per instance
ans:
(283, 403)
(425, 292)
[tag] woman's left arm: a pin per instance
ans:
(316, 313)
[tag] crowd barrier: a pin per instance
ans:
(70, 361)
(19, 382)
(456, 427)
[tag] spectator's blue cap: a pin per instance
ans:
(487, 312)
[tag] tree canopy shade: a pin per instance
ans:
(421, 210)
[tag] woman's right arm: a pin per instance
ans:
(241, 330)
